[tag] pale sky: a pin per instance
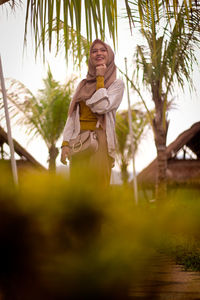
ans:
(31, 72)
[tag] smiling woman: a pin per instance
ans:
(99, 55)
(92, 114)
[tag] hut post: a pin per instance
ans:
(10, 140)
(132, 138)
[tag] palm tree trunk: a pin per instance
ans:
(161, 175)
(160, 135)
(124, 172)
(53, 153)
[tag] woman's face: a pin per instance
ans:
(99, 55)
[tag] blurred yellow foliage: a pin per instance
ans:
(77, 239)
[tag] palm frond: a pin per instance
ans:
(41, 13)
(179, 55)
(138, 91)
(79, 51)
(140, 125)
(150, 10)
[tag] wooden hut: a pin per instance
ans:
(183, 161)
(25, 162)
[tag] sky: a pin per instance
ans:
(23, 67)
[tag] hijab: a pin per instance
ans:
(87, 87)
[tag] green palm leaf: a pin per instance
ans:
(140, 125)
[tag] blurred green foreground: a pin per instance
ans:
(76, 239)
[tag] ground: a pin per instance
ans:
(167, 281)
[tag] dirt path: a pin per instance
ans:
(164, 280)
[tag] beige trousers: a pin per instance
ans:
(99, 163)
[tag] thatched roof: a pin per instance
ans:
(185, 169)
(3, 1)
(11, 2)
(26, 157)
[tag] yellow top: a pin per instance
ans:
(88, 119)
(100, 82)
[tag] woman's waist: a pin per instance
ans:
(89, 125)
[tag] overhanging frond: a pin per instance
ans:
(41, 13)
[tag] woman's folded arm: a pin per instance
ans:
(105, 100)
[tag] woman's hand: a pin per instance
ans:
(64, 154)
(100, 70)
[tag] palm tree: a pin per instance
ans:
(165, 60)
(42, 115)
(140, 123)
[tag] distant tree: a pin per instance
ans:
(140, 125)
(43, 114)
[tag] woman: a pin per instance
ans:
(93, 107)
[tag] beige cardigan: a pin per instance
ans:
(103, 101)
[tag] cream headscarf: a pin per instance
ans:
(87, 86)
